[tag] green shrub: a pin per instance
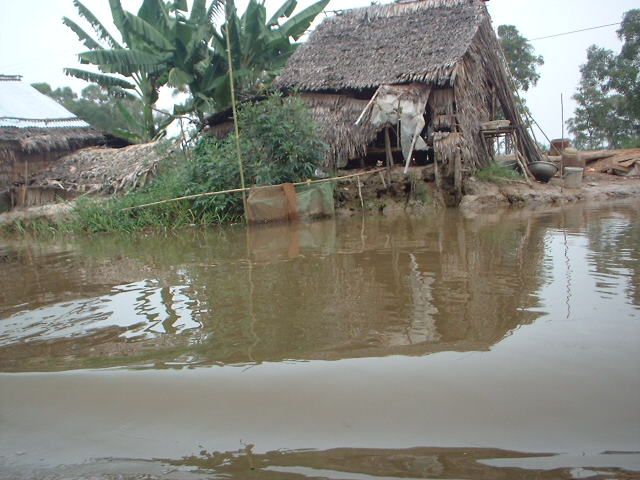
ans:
(279, 143)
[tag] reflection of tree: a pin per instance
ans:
(311, 291)
(615, 244)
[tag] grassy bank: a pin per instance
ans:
(279, 143)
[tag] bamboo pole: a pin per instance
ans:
(235, 123)
(237, 190)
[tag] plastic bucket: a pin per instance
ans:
(573, 177)
(572, 158)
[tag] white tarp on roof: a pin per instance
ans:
(23, 106)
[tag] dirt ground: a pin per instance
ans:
(595, 186)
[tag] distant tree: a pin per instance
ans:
(625, 77)
(608, 97)
(596, 123)
(97, 106)
(521, 57)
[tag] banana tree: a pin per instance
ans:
(260, 47)
(145, 58)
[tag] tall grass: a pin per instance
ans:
(495, 173)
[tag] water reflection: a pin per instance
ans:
(352, 464)
(325, 290)
(414, 463)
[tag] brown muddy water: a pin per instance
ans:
(499, 346)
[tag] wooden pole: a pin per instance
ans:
(235, 123)
(387, 149)
(562, 114)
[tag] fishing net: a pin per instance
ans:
(285, 203)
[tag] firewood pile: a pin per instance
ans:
(619, 162)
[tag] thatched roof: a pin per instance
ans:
(46, 139)
(32, 122)
(103, 170)
(418, 41)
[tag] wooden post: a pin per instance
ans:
(457, 173)
(389, 154)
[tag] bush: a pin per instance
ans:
(278, 142)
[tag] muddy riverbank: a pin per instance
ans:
(416, 192)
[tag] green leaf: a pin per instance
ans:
(129, 60)
(128, 117)
(198, 11)
(156, 13)
(102, 32)
(148, 33)
(284, 11)
(89, 42)
(119, 20)
(105, 81)
(179, 77)
(181, 5)
(134, 137)
(297, 25)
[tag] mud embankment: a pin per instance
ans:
(394, 192)
(595, 187)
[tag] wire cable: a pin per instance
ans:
(574, 31)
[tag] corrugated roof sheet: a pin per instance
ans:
(23, 106)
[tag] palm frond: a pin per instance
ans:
(147, 32)
(102, 32)
(284, 11)
(105, 81)
(130, 60)
(299, 23)
(216, 7)
(88, 42)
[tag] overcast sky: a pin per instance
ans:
(34, 43)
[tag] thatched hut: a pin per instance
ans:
(414, 80)
(35, 131)
(442, 54)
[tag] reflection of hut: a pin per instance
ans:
(35, 131)
(435, 64)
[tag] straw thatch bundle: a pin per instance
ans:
(103, 170)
